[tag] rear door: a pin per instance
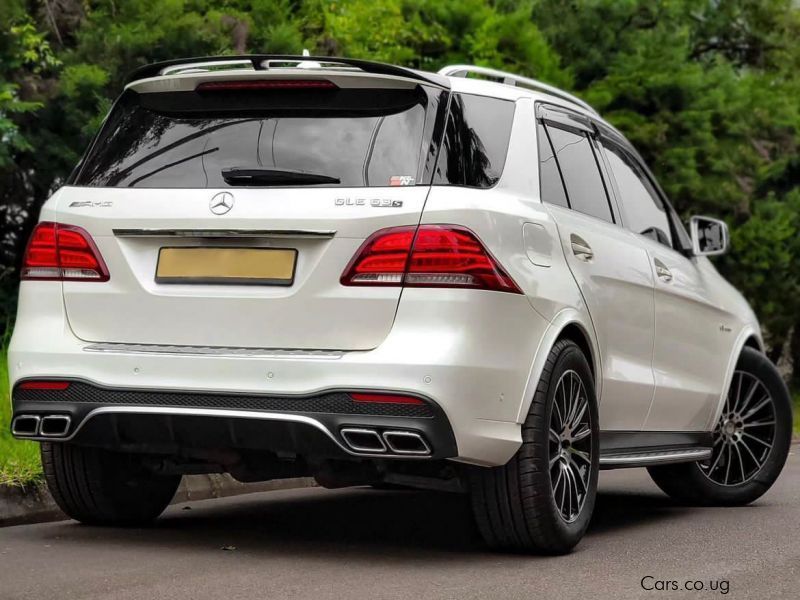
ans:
(611, 268)
(226, 216)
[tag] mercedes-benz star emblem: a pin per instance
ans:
(221, 203)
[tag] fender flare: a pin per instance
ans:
(747, 332)
(566, 317)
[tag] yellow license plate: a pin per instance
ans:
(231, 266)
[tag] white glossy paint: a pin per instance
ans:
(617, 286)
(661, 352)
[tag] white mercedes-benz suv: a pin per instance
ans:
(279, 266)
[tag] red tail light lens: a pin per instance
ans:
(385, 399)
(44, 385)
(428, 256)
(58, 252)
(266, 84)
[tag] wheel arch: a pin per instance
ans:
(748, 337)
(568, 324)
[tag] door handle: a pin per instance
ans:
(580, 248)
(663, 273)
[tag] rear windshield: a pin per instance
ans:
(353, 138)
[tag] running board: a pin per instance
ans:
(646, 458)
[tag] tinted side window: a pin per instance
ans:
(551, 187)
(585, 188)
(644, 211)
(475, 141)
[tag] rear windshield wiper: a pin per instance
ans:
(273, 176)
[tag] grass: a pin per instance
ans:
(19, 461)
(797, 413)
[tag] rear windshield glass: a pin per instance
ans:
(354, 138)
(475, 141)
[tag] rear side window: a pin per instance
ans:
(576, 159)
(347, 137)
(644, 211)
(551, 186)
(475, 142)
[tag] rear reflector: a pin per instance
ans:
(44, 385)
(62, 253)
(386, 398)
(445, 256)
(266, 84)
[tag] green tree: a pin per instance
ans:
(706, 90)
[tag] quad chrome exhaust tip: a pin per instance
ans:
(406, 443)
(54, 426)
(25, 425)
(364, 440)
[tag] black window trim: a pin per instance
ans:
(553, 115)
(558, 166)
(681, 243)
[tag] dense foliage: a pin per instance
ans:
(707, 89)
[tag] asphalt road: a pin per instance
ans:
(365, 544)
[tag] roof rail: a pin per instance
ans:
(514, 80)
(265, 62)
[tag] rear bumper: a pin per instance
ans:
(167, 421)
(468, 353)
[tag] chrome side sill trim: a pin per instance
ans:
(645, 458)
(227, 233)
(120, 348)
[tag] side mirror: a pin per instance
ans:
(709, 236)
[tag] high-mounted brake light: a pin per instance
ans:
(59, 252)
(267, 84)
(429, 256)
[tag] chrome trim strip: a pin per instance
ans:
(652, 458)
(205, 412)
(228, 233)
(214, 412)
(277, 353)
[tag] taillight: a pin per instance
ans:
(62, 253)
(267, 84)
(427, 256)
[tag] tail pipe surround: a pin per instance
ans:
(54, 426)
(391, 442)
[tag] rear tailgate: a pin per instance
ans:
(153, 182)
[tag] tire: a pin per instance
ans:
(742, 468)
(515, 506)
(99, 487)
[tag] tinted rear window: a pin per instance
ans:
(475, 141)
(550, 184)
(579, 169)
(185, 139)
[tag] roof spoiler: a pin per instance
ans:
(266, 62)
